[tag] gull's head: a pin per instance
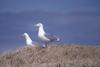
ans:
(24, 34)
(38, 25)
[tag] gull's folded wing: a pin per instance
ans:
(52, 37)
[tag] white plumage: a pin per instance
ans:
(28, 40)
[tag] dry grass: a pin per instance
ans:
(52, 56)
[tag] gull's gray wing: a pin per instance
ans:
(52, 37)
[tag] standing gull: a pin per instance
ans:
(28, 40)
(45, 37)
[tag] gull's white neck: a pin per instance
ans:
(41, 30)
(28, 40)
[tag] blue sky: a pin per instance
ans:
(48, 5)
(74, 21)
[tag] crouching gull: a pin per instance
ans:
(28, 40)
(45, 37)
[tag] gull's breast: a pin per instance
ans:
(43, 38)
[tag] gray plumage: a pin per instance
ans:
(52, 37)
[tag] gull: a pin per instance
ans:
(28, 40)
(45, 37)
